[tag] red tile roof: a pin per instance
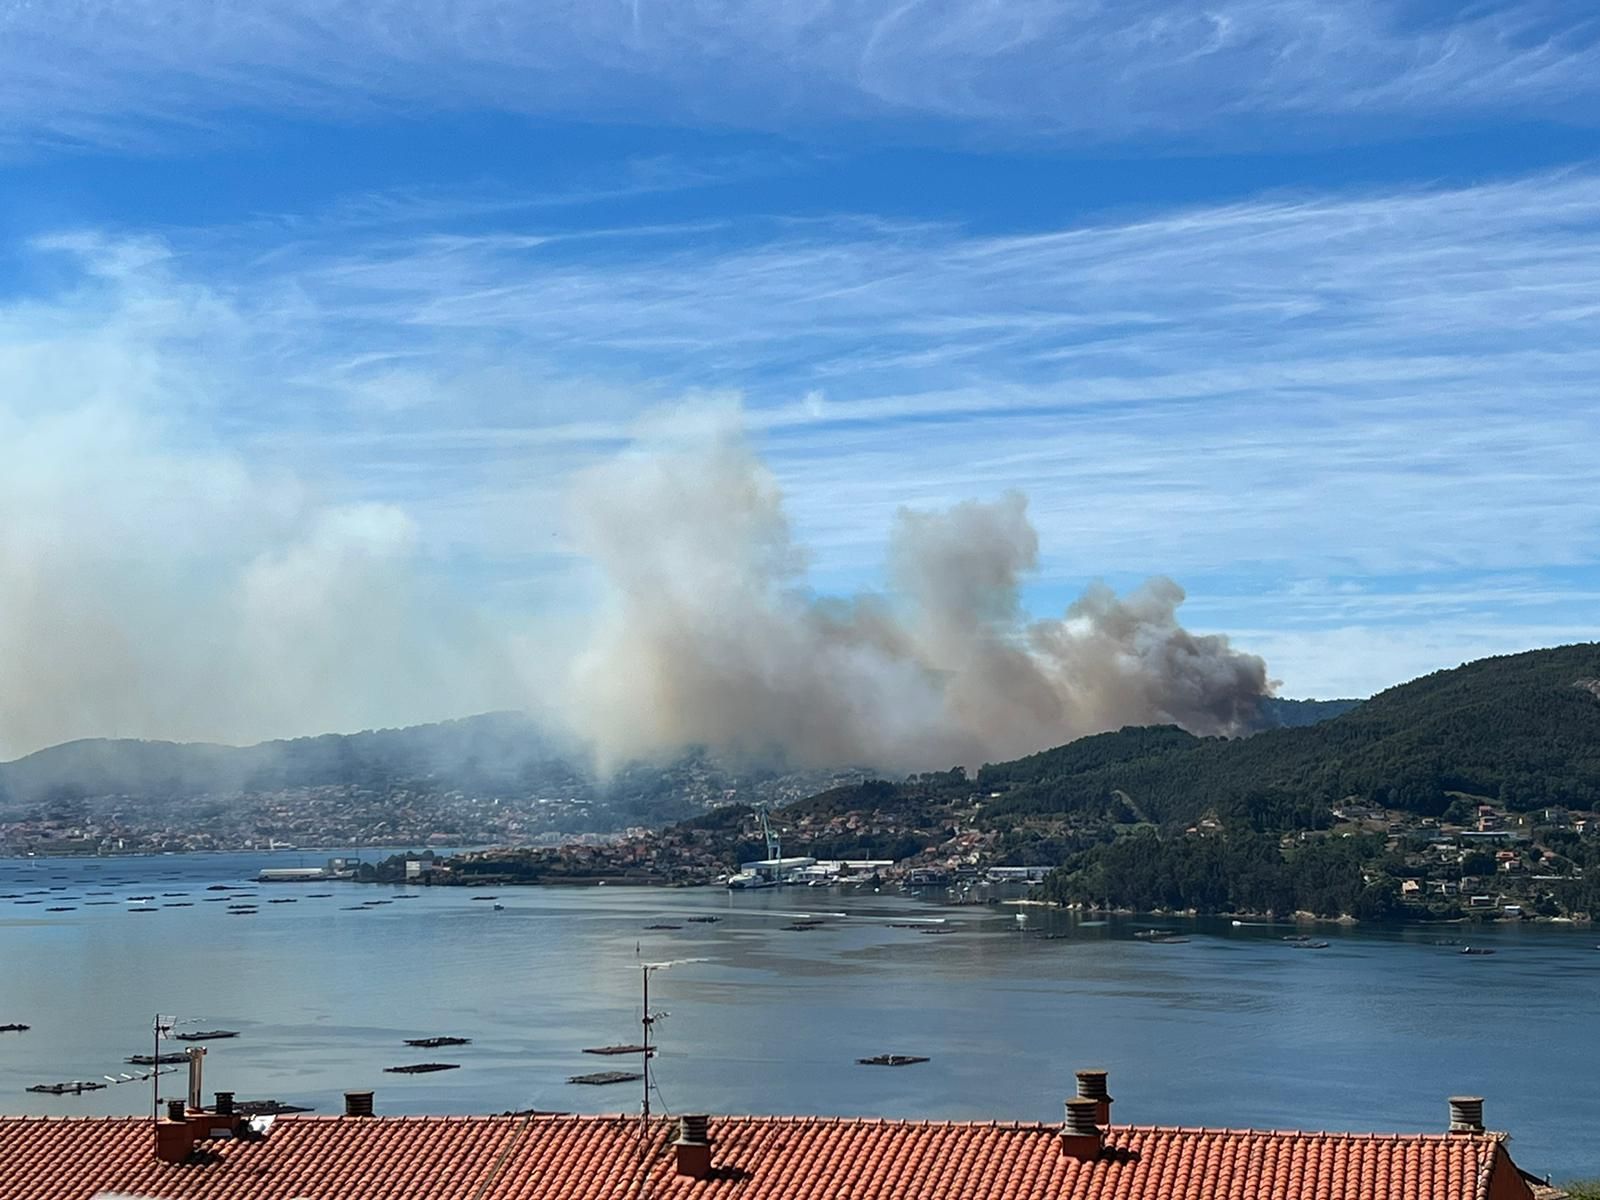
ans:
(753, 1158)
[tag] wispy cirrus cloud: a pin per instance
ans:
(1175, 390)
(138, 73)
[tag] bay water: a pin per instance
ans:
(1234, 1027)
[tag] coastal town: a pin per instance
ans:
(1493, 865)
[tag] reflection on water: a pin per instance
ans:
(1233, 1027)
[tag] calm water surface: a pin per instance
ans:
(1231, 1028)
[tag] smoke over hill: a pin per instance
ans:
(708, 634)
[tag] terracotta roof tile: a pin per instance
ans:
(754, 1158)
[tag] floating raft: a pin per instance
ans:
(892, 1060)
(433, 1043)
(663, 925)
(63, 1089)
(703, 920)
(604, 1077)
(15, 1028)
(422, 1068)
(206, 1035)
(614, 1050)
(151, 1060)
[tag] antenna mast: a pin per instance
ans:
(644, 1109)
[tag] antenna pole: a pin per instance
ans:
(155, 1074)
(644, 1109)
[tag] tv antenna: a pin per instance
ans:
(647, 1051)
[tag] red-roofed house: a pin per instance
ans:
(219, 1156)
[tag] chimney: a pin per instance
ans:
(1082, 1139)
(358, 1104)
(1466, 1114)
(1092, 1086)
(224, 1105)
(693, 1146)
(174, 1135)
(197, 1056)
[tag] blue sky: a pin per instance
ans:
(1294, 302)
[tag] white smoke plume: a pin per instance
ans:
(158, 580)
(156, 583)
(708, 633)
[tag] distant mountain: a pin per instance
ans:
(1522, 729)
(446, 772)
(491, 752)
(506, 759)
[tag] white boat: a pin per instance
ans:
(745, 880)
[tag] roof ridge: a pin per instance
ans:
(833, 1119)
(1348, 1135)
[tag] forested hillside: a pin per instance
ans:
(1523, 730)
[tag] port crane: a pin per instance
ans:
(770, 835)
